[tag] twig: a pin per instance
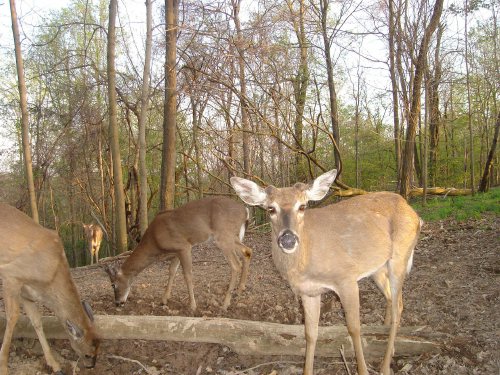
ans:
(131, 360)
(343, 359)
(265, 364)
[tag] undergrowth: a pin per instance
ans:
(459, 208)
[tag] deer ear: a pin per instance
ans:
(111, 271)
(88, 310)
(249, 192)
(321, 185)
(75, 331)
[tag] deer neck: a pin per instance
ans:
(291, 265)
(141, 257)
(62, 297)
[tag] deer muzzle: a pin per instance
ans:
(288, 241)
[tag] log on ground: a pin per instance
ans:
(243, 336)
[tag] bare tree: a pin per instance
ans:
(322, 12)
(394, 86)
(167, 184)
(414, 115)
(300, 84)
(28, 166)
(120, 217)
(483, 186)
(143, 173)
(243, 86)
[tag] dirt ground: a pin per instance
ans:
(453, 289)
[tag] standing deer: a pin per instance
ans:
(333, 247)
(93, 236)
(174, 232)
(33, 267)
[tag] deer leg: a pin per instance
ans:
(227, 248)
(396, 277)
(11, 301)
(246, 253)
(349, 297)
(312, 307)
(172, 270)
(97, 253)
(381, 278)
(36, 321)
(187, 269)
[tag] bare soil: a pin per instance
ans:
(453, 288)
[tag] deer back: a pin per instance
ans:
(352, 238)
(196, 221)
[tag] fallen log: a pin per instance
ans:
(243, 336)
(418, 192)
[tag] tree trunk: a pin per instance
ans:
(434, 115)
(243, 88)
(167, 186)
(407, 169)
(300, 84)
(395, 89)
(143, 173)
(334, 116)
(483, 186)
(469, 98)
(25, 135)
(114, 140)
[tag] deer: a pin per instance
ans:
(34, 268)
(172, 233)
(93, 236)
(331, 248)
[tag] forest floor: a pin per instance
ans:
(453, 289)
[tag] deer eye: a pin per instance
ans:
(113, 286)
(271, 210)
(302, 207)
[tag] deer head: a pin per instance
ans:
(286, 206)
(119, 283)
(82, 340)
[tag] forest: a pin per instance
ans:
(112, 111)
(116, 113)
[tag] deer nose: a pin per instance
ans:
(288, 241)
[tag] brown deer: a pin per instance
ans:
(331, 248)
(33, 267)
(93, 237)
(174, 232)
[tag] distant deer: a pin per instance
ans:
(333, 247)
(93, 237)
(174, 232)
(33, 267)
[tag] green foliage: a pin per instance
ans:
(460, 208)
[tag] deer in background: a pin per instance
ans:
(33, 267)
(333, 247)
(93, 237)
(172, 233)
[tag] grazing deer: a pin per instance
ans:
(333, 247)
(93, 236)
(33, 267)
(174, 232)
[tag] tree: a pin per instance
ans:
(414, 114)
(167, 185)
(322, 12)
(483, 185)
(114, 141)
(143, 173)
(28, 166)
